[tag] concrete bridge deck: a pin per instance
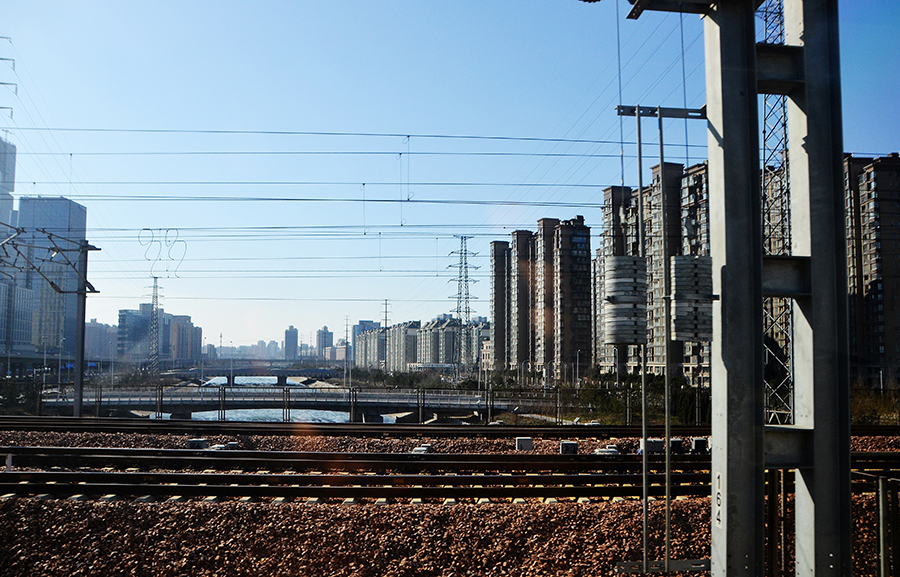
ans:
(182, 401)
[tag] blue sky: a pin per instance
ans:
(251, 267)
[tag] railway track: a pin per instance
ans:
(153, 426)
(91, 458)
(200, 428)
(324, 476)
(158, 474)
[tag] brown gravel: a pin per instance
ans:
(350, 444)
(92, 538)
(58, 537)
(304, 443)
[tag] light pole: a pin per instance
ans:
(201, 359)
(577, 361)
(231, 372)
(59, 361)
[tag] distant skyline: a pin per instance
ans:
(262, 147)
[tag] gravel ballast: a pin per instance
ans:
(62, 537)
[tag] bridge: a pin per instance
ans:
(230, 373)
(363, 405)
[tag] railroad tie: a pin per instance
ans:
(312, 501)
(145, 499)
(78, 497)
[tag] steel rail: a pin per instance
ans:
(179, 459)
(176, 426)
(332, 486)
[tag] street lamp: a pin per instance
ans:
(201, 359)
(577, 361)
(59, 361)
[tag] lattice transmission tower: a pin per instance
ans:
(776, 221)
(463, 308)
(154, 330)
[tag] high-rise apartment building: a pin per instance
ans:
(572, 297)
(180, 342)
(291, 337)
(358, 329)
(400, 346)
(7, 182)
(695, 242)
(872, 193)
(544, 284)
(99, 340)
(438, 341)
(520, 329)
(541, 295)
(324, 339)
(686, 202)
(185, 342)
(370, 349)
(54, 232)
(500, 312)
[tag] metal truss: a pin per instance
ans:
(776, 221)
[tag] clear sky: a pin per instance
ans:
(262, 147)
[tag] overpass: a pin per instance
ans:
(363, 405)
(230, 373)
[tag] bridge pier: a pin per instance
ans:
(230, 380)
(363, 417)
(181, 414)
(282, 380)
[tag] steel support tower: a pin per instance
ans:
(778, 341)
(463, 309)
(153, 343)
(816, 446)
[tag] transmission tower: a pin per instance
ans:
(381, 353)
(154, 329)
(463, 309)
(776, 221)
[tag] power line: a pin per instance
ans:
(321, 153)
(170, 198)
(303, 183)
(306, 133)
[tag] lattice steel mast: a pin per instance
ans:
(776, 220)
(463, 308)
(153, 345)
